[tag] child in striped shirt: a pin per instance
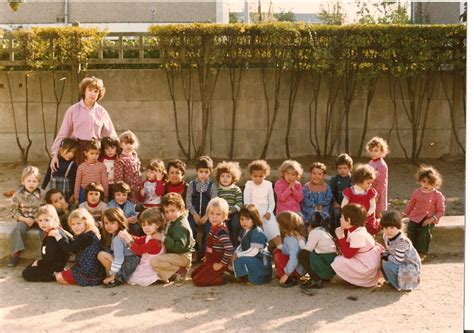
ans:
(90, 171)
(228, 174)
(219, 248)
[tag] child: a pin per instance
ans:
(25, 203)
(121, 263)
(362, 193)
(228, 174)
(317, 195)
(176, 169)
(110, 149)
(65, 176)
(154, 185)
(318, 252)
(288, 270)
(251, 261)
(288, 189)
(178, 241)
(53, 259)
(219, 249)
(338, 184)
(259, 192)
(90, 171)
(147, 247)
(56, 198)
(127, 166)
(200, 192)
(425, 209)
(120, 192)
(401, 265)
(378, 149)
(94, 201)
(359, 263)
(87, 270)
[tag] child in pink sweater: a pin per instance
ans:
(288, 189)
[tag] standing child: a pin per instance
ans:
(110, 150)
(259, 192)
(338, 184)
(288, 269)
(120, 194)
(219, 249)
(359, 263)
(200, 192)
(251, 261)
(425, 209)
(378, 149)
(25, 203)
(364, 194)
(90, 171)
(154, 185)
(53, 259)
(401, 265)
(318, 253)
(87, 270)
(317, 195)
(288, 189)
(228, 174)
(176, 169)
(178, 241)
(94, 201)
(121, 263)
(56, 198)
(148, 246)
(127, 166)
(65, 175)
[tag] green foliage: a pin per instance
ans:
(288, 16)
(14, 4)
(333, 15)
(233, 18)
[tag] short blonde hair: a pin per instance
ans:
(91, 81)
(220, 204)
(50, 211)
(291, 165)
(231, 168)
(84, 215)
(129, 137)
(318, 165)
(30, 170)
(377, 141)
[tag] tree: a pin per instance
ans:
(384, 12)
(288, 16)
(333, 15)
(233, 18)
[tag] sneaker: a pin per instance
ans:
(180, 280)
(290, 282)
(112, 284)
(227, 276)
(312, 284)
(14, 260)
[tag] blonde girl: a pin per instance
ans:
(288, 189)
(127, 166)
(377, 148)
(53, 259)
(85, 245)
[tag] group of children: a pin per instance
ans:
(140, 232)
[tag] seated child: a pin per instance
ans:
(94, 202)
(288, 189)
(219, 249)
(228, 174)
(338, 184)
(56, 198)
(53, 259)
(147, 246)
(251, 261)
(401, 264)
(364, 194)
(178, 241)
(317, 195)
(359, 263)
(288, 269)
(121, 192)
(425, 209)
(110, 149)
(200, 192)
(25, 203)
(121, 263)
(154, 185)
(90, 171)
(127, 166)
(176, 169)
(64, 177)
(318, 252)
(259, 192)
(87, 270)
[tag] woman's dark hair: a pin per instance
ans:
(251, 212)
(318, 221)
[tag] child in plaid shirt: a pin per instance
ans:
(25, 204)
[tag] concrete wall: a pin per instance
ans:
(139, 100)
(441, 12)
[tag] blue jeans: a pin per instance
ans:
(233, 225)
(200, 233)
(390, 273)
